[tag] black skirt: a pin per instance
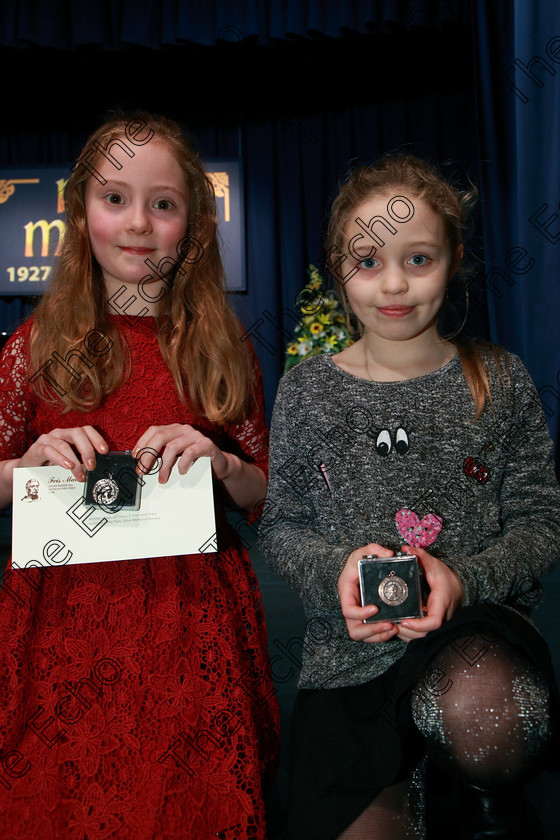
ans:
(347, 744)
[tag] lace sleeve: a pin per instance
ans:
(14, 396)
(250, 438)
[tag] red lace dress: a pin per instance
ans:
(135, 696)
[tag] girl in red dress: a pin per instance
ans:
(136, 699)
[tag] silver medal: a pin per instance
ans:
(393, 590)
(105, 491)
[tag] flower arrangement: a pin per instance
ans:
(322, 327)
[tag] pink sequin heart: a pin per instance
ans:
(415, 531)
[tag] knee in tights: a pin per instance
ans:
(484, 711)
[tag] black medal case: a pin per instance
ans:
(114, 484)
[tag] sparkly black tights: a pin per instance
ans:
(484, 712)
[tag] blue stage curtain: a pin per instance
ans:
(518, 86)
(328, 104)
(64, 24)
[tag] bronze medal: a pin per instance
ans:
(393, 590)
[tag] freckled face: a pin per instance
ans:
(141, 212)
(399, 287)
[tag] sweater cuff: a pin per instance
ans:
(462, 566)
(340, 559)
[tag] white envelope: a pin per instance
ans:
(52, 527)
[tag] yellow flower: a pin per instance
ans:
(322, 324)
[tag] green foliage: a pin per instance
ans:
(322, 327)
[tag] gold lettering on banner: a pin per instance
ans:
(7, 187)
(45, 228)
(60, 187)
(220, 180)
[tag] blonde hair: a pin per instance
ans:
(417, 178)
(199, 336)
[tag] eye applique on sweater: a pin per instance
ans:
(385, 441)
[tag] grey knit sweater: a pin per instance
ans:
(354, 462)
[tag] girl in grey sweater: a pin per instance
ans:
(411, 441)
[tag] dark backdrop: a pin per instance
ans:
(299, 109)
(302, 89)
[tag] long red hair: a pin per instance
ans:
(199, 335)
